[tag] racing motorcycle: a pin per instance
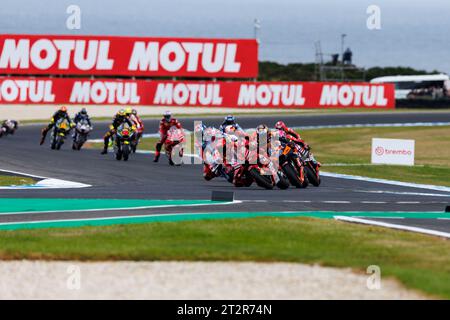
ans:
(59, 133)
(244, 174)
(310, 164)
(122, 141)
(292, 166)
(174, 145)
(82, 130)
(8, 127)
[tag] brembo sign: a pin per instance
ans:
(393, 151)
(128, 56)
(239, 94)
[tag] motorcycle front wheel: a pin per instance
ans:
(262, 181)
(125, 152)
(312, 175)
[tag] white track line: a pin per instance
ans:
(45, 183)
(406, 193)
(122, 209)
(385, 181)
(393, 226)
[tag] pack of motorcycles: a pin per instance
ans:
(243, 161)
(288, 164)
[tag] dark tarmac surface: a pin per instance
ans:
(140, 178)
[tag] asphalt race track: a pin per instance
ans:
(140, 178)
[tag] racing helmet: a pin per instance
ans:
(121, 113)
(167, 115)
(280, 125)
(83, 111)
(63, 109)
(128, 111)
(134, 112)
(262, 128)
(230, 119)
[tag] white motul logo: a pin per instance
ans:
(353, 95)
(188, 94)
(44, 54)
(271, 94)
(101, 92)
(26, 91)
(172, 56)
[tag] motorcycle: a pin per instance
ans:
(265, 173)
(243, 173)
(174, 145)
(60, 131)
(292, 166)
(310, 164)
(82, 130)
(8, 127)
(122, 141)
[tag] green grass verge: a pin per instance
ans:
(353, 146)
(15, 181)
(418, 261)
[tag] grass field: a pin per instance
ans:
(352, 146)
(418, 261)
(14, 181)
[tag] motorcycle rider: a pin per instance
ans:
(164, 125)
(81, 115)
(291, 134)
(137, 122)
(118, 119)
(230, 121)
(8, 127)
(60, 114)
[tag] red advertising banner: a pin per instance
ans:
(195, 93)
(128, 56)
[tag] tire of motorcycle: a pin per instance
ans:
(312, 177)
(283, 184)
(59, 144)
(262, 181)
(292, 176)
(125, 152)
(80, 143)
(118, 155)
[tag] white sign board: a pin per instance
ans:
(393, 151)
